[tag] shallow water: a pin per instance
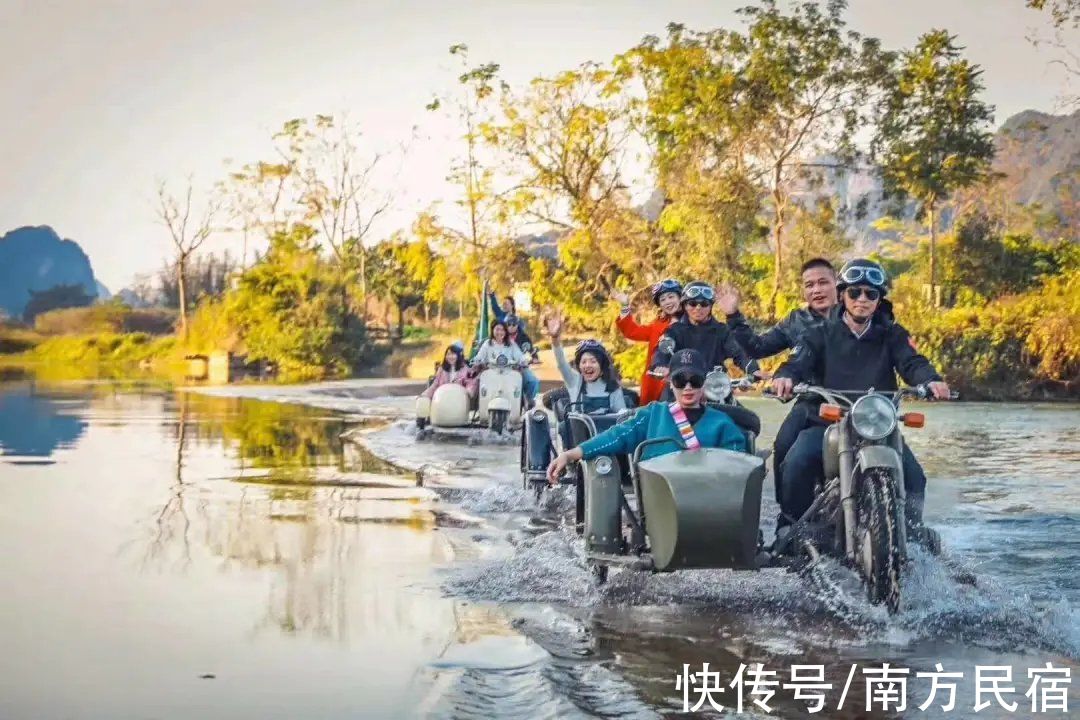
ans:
(174, 554)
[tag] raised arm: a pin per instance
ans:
(630, 328)
(554, 329)
(569, 374)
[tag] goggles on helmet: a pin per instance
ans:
(699, 292)
(872, 275)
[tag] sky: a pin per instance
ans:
(104, 98)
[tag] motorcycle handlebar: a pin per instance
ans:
(923, 392)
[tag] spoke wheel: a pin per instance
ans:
(879, 554)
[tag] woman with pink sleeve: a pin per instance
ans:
(454, 370)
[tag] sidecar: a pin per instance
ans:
(689, 509)
(497, 406)
(557, 425)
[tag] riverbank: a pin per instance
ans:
(992, 374)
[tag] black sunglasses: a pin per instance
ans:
(857, 292)
(682, 380)
(698, 303)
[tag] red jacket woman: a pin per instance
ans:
(666, 295)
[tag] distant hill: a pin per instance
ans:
(1038, 153)
(36, 258)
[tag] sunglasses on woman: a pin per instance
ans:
(681, 380)
(857, 292)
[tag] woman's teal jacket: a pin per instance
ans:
(714, 430)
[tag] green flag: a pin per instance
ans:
(483, 325)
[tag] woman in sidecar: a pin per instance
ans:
(696, 490)
(592, 399)
(687, 421)
(590, 381)
(453, 369)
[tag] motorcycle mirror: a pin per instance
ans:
(831, 413)
(914, 420)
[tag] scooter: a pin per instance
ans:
(858, 512)
(498, 404)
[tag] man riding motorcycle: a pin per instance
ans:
(688, 420)
(697, 329)
(819, 292)
(591, 380)
(666, 295)
(858, 347)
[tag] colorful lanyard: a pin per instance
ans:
(685, 428)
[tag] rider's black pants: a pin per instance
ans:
(797, 419)
(802, 468)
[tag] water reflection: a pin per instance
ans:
(35, 423)
(298, 504)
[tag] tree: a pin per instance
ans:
(400, 273)
(1064, 18)
(287, 308)
(465, 237)
(566, 141)
(764, 108)
(205, 276)
(188, 233)
(323, 176)
(932, 134)
(1062, 12)
(55, 298)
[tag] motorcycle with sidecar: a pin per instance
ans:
(574, 422)
(498, 404)
(701, 509)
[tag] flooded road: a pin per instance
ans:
(297, 553)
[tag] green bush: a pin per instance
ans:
(1018, 346)
(291, 308)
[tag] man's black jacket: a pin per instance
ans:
(712, 339)
(784, 336)
(832, 356)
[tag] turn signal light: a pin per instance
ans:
(832, 413)
(914, 419)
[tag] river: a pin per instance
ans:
(295, 552)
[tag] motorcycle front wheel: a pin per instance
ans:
(879, 539)
(498, 419)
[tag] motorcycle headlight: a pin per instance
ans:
(602, 465)
(502, 361)
(717, 386)
(873, 417)
(538, 414)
